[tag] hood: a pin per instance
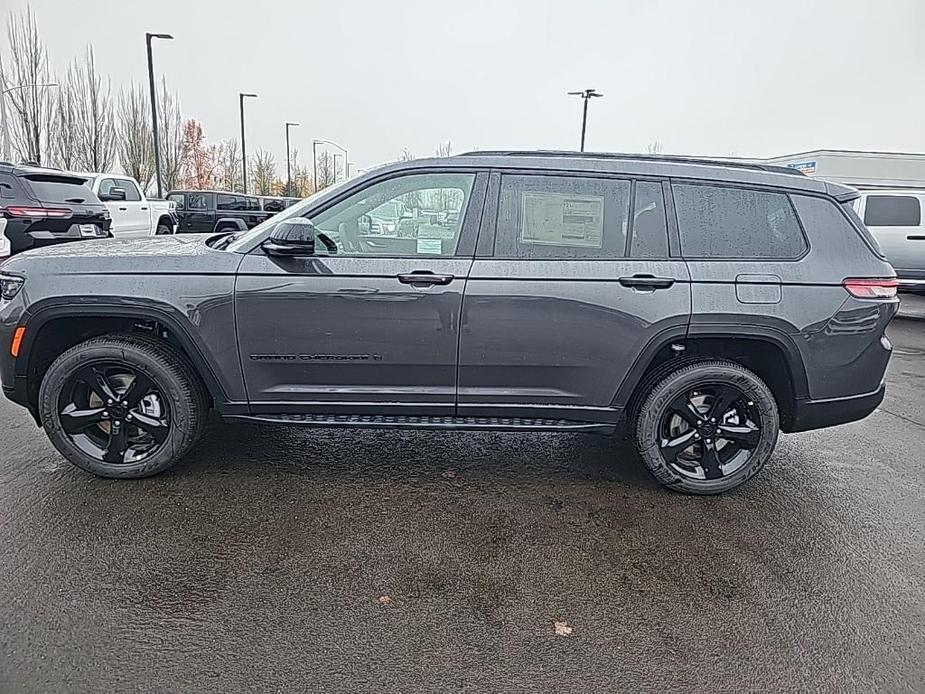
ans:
(182, 253)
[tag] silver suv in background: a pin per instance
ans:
(895, 219)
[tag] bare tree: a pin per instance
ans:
(133, 128)
(228, 171)
(654, 147)
(405, 155)
(263, 168)
(65, 143)
(95, 132)
(444, 149)
(33, 107)
(326, 172)
(170, 136)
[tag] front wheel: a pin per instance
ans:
(707, 427)
(122, 406)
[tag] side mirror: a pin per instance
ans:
(114, 194)
(291, 238)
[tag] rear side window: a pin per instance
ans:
(562, 217)
(52, 188)
(239, 203)
(892, 211)
(724, 222)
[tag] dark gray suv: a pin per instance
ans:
(703, 305)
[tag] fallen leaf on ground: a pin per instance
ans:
(562, 628)
(385, 600)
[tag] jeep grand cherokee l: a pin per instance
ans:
(705, 306)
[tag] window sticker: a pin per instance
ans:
(430, 246)
(554, 219)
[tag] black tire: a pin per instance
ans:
(684, 451)
(181, 403)
(163, 229)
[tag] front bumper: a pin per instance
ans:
(818, 414)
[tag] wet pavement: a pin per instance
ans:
(286, 560)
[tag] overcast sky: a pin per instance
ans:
(709, 77)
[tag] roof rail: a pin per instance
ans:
(668, 158)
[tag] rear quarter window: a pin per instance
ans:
(727, 222)
(822, 216)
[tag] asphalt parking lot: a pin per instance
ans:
(288, 560)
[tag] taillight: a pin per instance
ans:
(38, 212)
(871, 289)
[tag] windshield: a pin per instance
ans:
(242, 240)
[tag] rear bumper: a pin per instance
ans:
(911, 279)
(817, 414)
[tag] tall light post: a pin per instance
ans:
(289, 160)
(241, 98)
(315, 144)
(157, 149)
(586, 96)
(7, 150)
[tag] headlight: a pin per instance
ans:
(10, 286)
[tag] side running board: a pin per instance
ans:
(429, 422)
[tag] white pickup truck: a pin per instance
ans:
(133, 215)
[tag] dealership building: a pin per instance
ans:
(859, 169)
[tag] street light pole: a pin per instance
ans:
(586, 96)
(5, 124)
(335, 155)
(157, 149)
(289, 161)
(241, 97)
(315, 166)
(315, 143)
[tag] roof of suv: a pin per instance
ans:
(639, 165)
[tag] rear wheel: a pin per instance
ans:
(707, 427)
(122, 406)
(164, 230)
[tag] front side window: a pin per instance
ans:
(414, 215)
(892, 211)
(197, 201)
(178, 198)
(562, 217)
(723, 222)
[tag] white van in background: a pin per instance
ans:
(894, 217)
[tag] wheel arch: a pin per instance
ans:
(52, 326)
(771, 354)
(224, 222)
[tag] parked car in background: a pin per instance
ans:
(704, 306)
(133, 214)
(276, 204)
(40, 207)
(894, 217)
(207, 211)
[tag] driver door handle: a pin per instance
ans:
(647, 282)
(424, 277)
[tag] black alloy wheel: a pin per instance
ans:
(709, 432)
(114, 413)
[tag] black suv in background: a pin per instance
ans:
(206, 211)
(40, 207)
(704, 306)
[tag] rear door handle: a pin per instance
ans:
(122, 209)
(144, 208)
(916, 237)
(424, 277)
(646, 282)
